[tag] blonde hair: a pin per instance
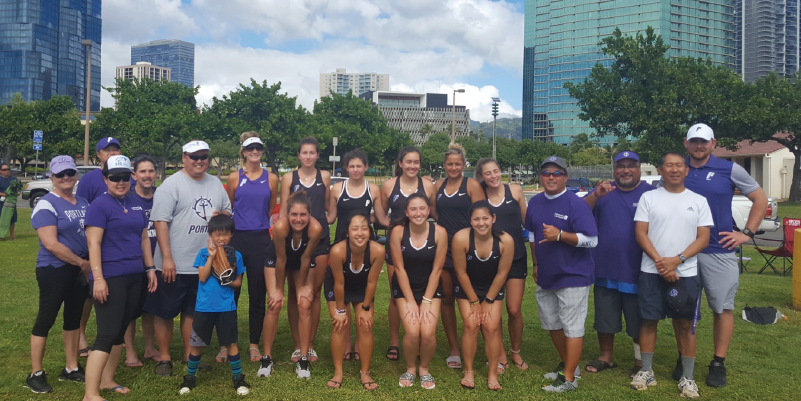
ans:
(456, 149)
(242, 138)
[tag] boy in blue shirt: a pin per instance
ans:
(215, 305)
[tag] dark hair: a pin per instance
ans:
(483, 204)
(298, 198)
(403, 220)
(403, 152)
(5, 164)
(362, 214)
(355, 154)
(221, 223)
(309, 140)
(666, 154)
(480, 169)
(142, 158)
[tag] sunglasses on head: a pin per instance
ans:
(68, 173)
(197, 157)
(254, 147)
(119, 177)
(556, 174)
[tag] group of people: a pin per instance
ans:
(132, 251)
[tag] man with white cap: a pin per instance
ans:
(181, 209)
(715, 179)
(92, 184)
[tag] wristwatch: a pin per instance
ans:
(682, 258)
(366, 308)
(748, 232)
(488, 300)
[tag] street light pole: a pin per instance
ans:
(495, 102)
(453, 112)
(88, 44)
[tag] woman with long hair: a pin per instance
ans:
(351, 279)
(289, 256)
(509, 205)
(455, 194)
(482, 257)
(395, 194)
(418, 253)
(315, 183)
(253, 192)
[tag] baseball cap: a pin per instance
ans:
(679, 299)
(702, 131)
(251, 141)
(195, 146)
(558, 161)
(105, 142)
(118, 164)
(627, 154)
(61, 163)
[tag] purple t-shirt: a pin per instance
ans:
(618, 256)
(562, 265)
(52, 210)
(121, 249)
(147, 205)
(252, 202)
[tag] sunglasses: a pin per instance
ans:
(254, 147)
(119, 177)
(556, 174)
(4, 169)
(197, 157)
(68, 173)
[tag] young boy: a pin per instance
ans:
(215, 306)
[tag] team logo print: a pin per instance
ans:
(330, 294)
(626, 154)
(395, 198)
(270, 262)
(367, 203)
(709, 176)
(457, 289)
(673, 293)
(690, 209)
(439, 196)
(552, 158)
(203, 207)
(296, 187)
(469, 257)
(560, 216)
(395, 292)
(244, 181)
(403, 248)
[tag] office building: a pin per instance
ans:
(410, 112)
(41, 53)
(177, 55)
(767, 37)
(341, 82)
(143, 69)
(561, 45)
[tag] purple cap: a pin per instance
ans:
(627, 154)
(61, 163)
(105, 142)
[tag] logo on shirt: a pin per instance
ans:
(709, 176)
(203, 207)
(634, 204)
(495, 257)
(296, 187)
(345, 199)
(403, 248)
(431, 247)
(270, 262)
(690, 209)
(136, 208)
(463, 194)
(244, 181)
(367, 203)
(457, 289)
(508, 202)
(319, 183)
(469, 257)
(439, 196)
(262, 181)
(395, 198)
(560, 216)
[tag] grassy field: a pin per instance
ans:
(762, 363)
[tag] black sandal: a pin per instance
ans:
(365, 384)
(393, 353)
(600, 366)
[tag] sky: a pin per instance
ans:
(424, 45)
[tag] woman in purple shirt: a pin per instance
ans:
(118, 260)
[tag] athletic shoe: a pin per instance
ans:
(266, 368)
(561, 385)
(240, 385)
(302, 368)
(643, 380)
(559, 369)
(76, 375)
(678, 370)
(37, 382)
(688, 388)
(188, 384)
(717, 375)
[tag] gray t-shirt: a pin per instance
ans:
(186, 205)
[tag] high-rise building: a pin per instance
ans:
(143, 69)
(177, 55)
(41, 53)
(767, 37)
(341, 82)
(561, 45)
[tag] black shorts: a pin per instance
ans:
(351, 297)
(611, 306)
(481, 292)
(271, 259)
(519, 269)
(172, 299)
(418, 290)
(651, 292)
(323, 248)
(205, 322)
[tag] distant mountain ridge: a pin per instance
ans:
(507, 127)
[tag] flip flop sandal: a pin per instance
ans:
(81, 352)
(348, 356)
(312, 356)
(471, 384)
(135, 364)
(393, 353)
(494, 386)
(600, 366)
(501, 367)
(254, 357)
(522, 365)
(117, 389)
(455, 360)
(296, 355)
(366, 384)
(335, 386)
(406, 376)
(356, 356)
(164, 368)
(222, 356)
(427, 379)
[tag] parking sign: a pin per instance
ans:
(37, 146)
(37, 136)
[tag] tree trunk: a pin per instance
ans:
(795, 187)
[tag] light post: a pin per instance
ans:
(453, 123)
(495, 102)
(88, 44)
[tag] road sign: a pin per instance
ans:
(335, 141)
(37, 136)
(37, 146)
(333, 158)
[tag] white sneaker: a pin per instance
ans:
(643, 380)
(266, 368)
(688, 388)
(553, 375)
(302, 368)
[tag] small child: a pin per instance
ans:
(215, 306)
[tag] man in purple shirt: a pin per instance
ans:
(92, 184)
(617, 258)
(562, 231)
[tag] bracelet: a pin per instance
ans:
(340, 311)
(427, 300)
(475, 302)
(149, 268)
(559, 237)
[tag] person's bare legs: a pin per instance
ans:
(71, 339)
(87, 312)
(449, 313)
(366, 343)
(163, 329)
(393, 313)
(411, 341)
(319, 277)
(515, 289)
(11, 231)
(100, 369)
(131, 357)
(606, 341)
(292, 310)
(428, 338)
(149, 333)
(107, 379)
(573, 348)
(493, 345)
(270, 317)
(304, 311)
(559, 342)
(337, 349)
(469, 341)
(186, 333)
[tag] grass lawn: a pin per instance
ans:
(762, 363)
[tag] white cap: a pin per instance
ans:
(251, 141)
(195, 146)
(119, 164)
(702, 131)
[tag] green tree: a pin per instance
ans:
(432, 152)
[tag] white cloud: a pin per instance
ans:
(477, 100)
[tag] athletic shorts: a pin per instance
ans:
(351, 297)
(611, 306)
(651, 294)
(481, 291)
(519, 269)
(172, 299)
(720, 278)
(418, 290)
(205, 322)
(563, 309)
(271, 259)
(323, 248)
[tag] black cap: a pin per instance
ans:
(679, 299)
(555, 160)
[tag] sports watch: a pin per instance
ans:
(488, 300)
(682, 258)
(748, 232)
(366, 308)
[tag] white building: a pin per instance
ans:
(770, 163)
(143, 69)
(341, 82)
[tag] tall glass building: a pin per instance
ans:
(561, 45)
(171, 53)
(767, 37)
(41, 53)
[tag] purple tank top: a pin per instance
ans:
(252, 202)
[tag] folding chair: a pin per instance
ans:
(785, 249)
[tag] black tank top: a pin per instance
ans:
(295, 251)
(349, 206)
(398, 200)
(453, 211)
(356, 276)
(482, 272)
(509, 220)
(316, 193)
(418, 262)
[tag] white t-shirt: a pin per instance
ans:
(673, 220)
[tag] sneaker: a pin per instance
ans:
(688, 388)
(240, 385)
(560, 385)
(266, 368)
(164, 368)
(717, 375)
(37, 382)
(678, 370)
(552, 375)
(643, 380)
(187, 385)
(76, 375)
(302, 368)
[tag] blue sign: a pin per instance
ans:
(37, 146)
(37, 136)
